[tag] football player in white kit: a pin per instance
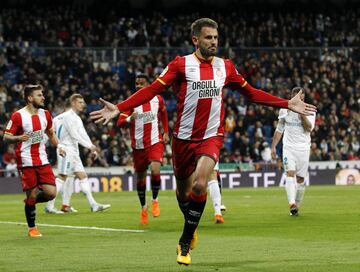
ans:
(296, 151)
(70, 130)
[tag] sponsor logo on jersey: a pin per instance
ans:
(36, 136)
(147, 116)
(206, 88)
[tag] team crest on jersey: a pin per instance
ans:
(164, 71)
(9, 125)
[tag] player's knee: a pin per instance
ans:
(50, 195)
(200, 186)
(290, 174)
(299, 179)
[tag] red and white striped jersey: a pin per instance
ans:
(33, 151)
(199, 88)
(145, 129)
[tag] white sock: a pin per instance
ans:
(68, 190)
(300, 191)
(85, 188)
(215, 195)
(59, 188)
(290, 187)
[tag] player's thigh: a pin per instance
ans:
(184, 159)
(46, 175)
(78, 168)
(29, 179)
(65, 165)
(155, 156)
(204, 168)
(289, 160)
(302, 165)
(141, 159)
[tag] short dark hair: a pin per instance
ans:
(200, 23)
(29, 89)
(144, 76)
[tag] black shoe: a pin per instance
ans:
(294, 211)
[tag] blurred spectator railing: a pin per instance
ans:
(110, 54)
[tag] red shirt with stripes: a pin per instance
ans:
(145, 129)
(33, 151)
(199, 87)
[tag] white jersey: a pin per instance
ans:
(70, 130)
(295, 136)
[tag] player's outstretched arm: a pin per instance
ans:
(108, 112)
(299, 106)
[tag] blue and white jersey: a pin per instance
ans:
(69, 129)
(295, 136)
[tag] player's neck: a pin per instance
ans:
(31, 109)
(201, 57)
(74, 110)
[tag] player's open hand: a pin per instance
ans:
(108, 112)
(299, 106)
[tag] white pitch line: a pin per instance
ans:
(73, 227)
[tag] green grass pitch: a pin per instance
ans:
(258, 234)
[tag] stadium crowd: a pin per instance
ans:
(39, 25)
(331, 77)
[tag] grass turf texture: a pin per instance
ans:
(258, 234)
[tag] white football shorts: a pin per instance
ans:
(296, 160)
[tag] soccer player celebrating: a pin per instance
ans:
(296, 150)
(147, 144)
(198, 80)
(70, 130)
(27, 127)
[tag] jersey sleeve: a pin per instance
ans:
(48, 119)
(311, 119)
(75, 128)
(281, 123)
(14, 124)
(170, 73)
(122, 118)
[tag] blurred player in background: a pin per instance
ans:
(147, 144)
(27, 127)
(70, 130)
(215, 195)
(198, 80)
(296, 151)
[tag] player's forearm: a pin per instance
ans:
(53, 139)
(276, 139)
(10, 138)
(264, 98)
(142, 96)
